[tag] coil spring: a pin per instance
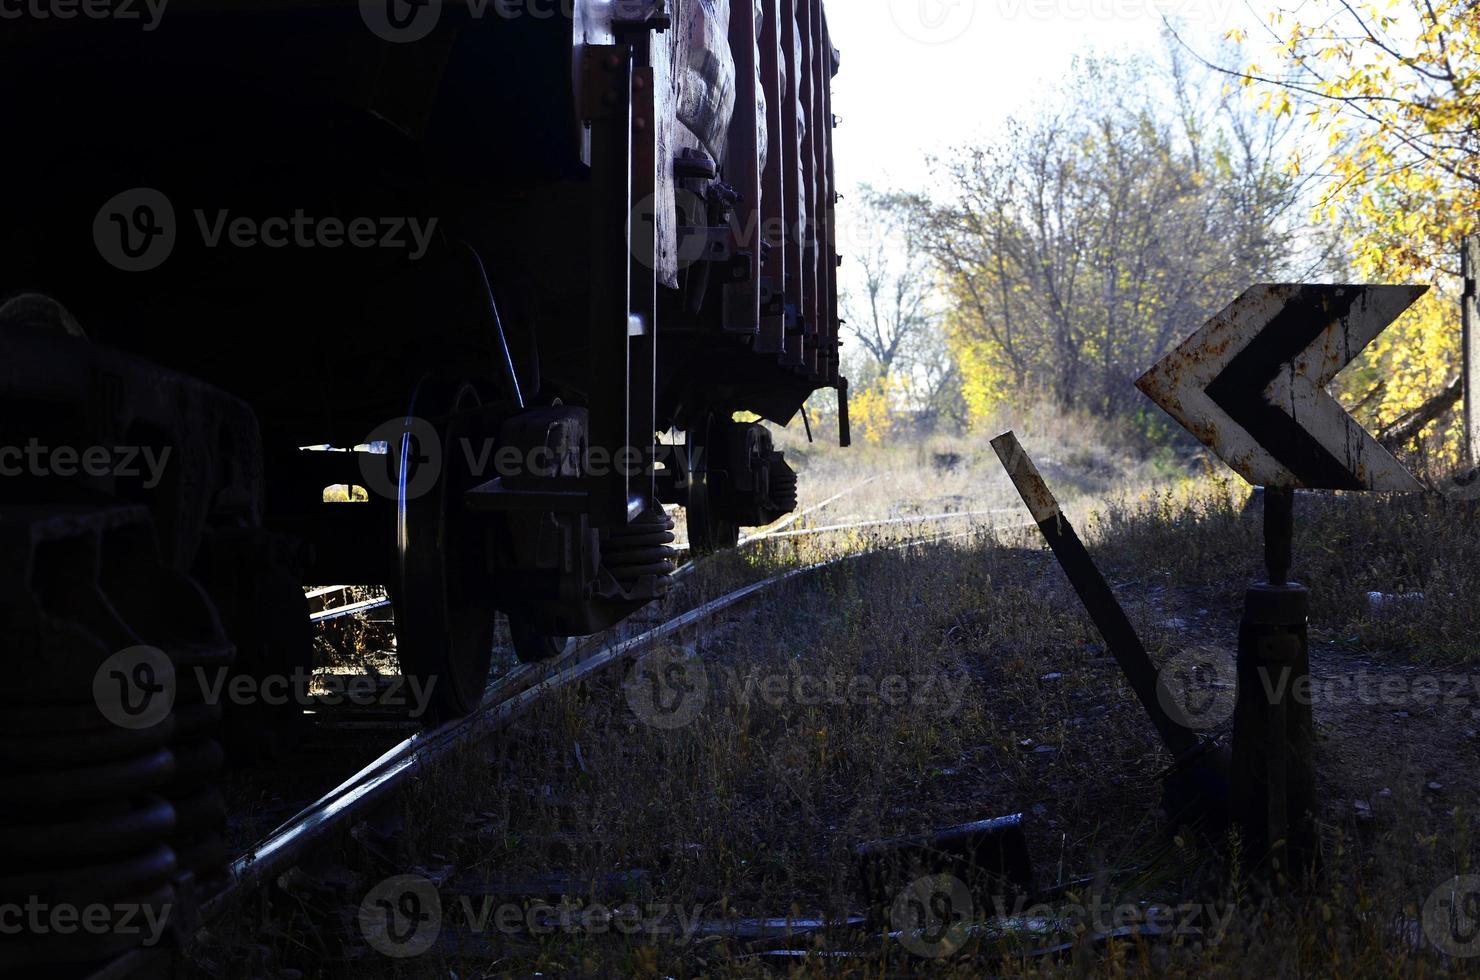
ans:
(642, 548)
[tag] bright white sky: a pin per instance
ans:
(922, 75)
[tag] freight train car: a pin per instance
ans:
(297, 291)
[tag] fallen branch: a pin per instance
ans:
(1408, 427)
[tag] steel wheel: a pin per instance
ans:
(531, 644)
(711, 527)
(444, 597)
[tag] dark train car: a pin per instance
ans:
(385, 293)
(463, 259)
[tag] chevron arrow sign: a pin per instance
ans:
(1251, 385)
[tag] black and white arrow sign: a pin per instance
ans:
(1251, 385)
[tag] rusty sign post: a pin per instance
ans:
(1104, 611)
(1195, 788)
(1251, 386)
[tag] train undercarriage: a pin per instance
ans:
(457, 315)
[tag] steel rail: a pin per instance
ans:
(777, 526)
(507, 699)
(339, 612)
(895, 521)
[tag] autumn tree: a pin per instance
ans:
(1091, 237)
(901, 362)
(1390, 93)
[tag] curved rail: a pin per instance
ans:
(507, 698)
(771, 530)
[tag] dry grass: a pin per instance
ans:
(1011, 705)
(1423, 549)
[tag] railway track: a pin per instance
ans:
(777, 529)
(507, 698)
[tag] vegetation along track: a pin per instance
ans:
(507, 698)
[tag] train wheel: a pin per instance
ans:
(444, 596)
(711, 527)
(531, 644)
(255, 580)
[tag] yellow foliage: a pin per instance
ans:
(986, 382)
(872, 409)
(1395, 89)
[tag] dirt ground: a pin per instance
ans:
(923, 688)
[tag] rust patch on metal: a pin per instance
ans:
(1025, 476)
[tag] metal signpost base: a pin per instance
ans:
(1273, 728)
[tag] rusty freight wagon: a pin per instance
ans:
(447, 296)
